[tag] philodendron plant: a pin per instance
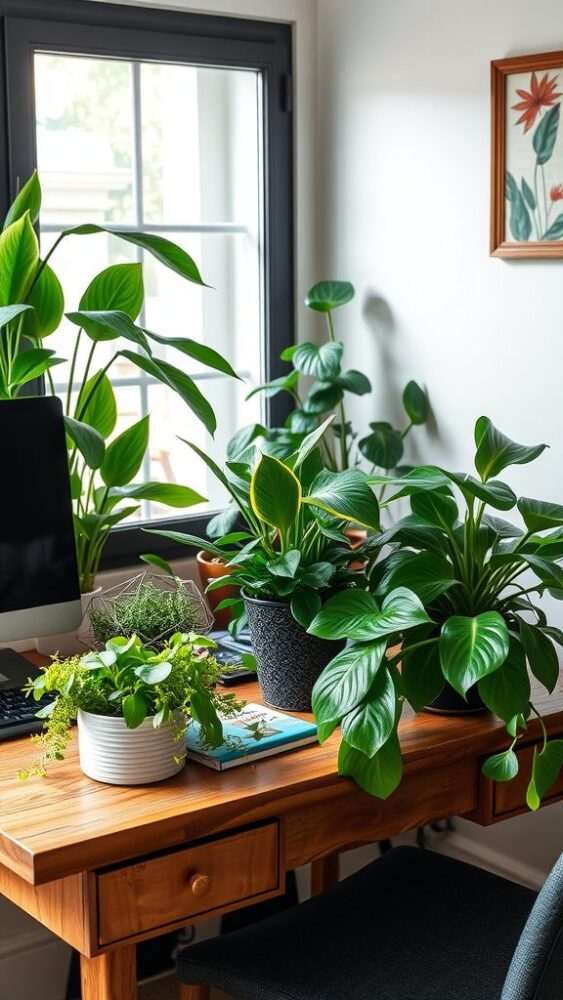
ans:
(293, 547)
(458, 592)
(382, 447)
(103, 467)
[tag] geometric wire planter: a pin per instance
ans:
(142, 606)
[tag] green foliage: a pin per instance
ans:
(102, 468)
(326, 395)
(456, 590)
(153, 613)
(293, 513)
(130, 681)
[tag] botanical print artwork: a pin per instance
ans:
(534, 156)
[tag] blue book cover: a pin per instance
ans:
(252, 734)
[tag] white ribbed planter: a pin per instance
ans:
(112, 753)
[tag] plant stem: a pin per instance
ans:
(345, 457)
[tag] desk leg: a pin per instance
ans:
(110, 976)
(324, 873)
(193, 992)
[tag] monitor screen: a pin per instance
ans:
(37, 550)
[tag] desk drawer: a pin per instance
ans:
(510, 796)
(180, 885)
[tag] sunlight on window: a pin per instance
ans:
(174, 150)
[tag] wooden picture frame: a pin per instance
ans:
(527, 170)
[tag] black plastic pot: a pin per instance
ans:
(449, 702)
(288, 659)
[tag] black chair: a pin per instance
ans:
(412, 925)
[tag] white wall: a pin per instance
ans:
(403, 136)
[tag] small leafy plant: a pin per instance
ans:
(293, 547)
(457, 590)
(381, 448)
(127, 680)
(103, 466)
(153, 608)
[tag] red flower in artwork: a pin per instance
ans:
(556, 193)
(540, 95)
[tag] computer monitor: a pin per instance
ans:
(39, 591)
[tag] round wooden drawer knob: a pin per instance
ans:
(200, 884)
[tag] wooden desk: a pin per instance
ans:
(104, 867)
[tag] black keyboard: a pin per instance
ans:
(17, 710)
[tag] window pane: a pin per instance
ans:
(174, 150)
(200, 145)
(84, 138)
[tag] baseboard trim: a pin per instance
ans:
(459, 845)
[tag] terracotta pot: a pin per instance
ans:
(212, 568)
(356, 536)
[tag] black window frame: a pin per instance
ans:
(149, 33)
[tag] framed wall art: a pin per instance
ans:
(527, 156)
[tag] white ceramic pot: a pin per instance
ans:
(112, 753)
(67, 643)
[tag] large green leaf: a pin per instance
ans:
(427, 574)
(379, 775)
(345, 495)
(539, 514)
(328, 295)
(119, 287)
(109, 325)
(32, 364)
(19, 256)
(181, 383)
(275, 493)
(124, 456)
(9, 313)
(422, 675)
(168, 253)
(100, 410)
(324, 396)
(354, 614)
(520, 220)
(28, 199)
(305, 604)
(310, 442)
(348, 615)
(415, 402)
(383, 447)
(501, 766)
(321, 363)
(182, 538)
(506, 691)
(548, 572)
(496, 452)
(199, 352)
(496, 493)
(353, 381)
(472, 648)
(346, 681)
(171, 494)
(47, 298)
(541, 654)
(438, 509)
(89, 441)
(370, 724)
(546, 766)
(545, 135)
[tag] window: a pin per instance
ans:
(176, 124)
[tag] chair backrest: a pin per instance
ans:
(538, 942)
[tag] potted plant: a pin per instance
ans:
(151, 606)
(132, 707)
(103, 466)
(456, 592)
(291, 555)
(210, 568)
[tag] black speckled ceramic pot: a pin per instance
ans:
(449, 702)
(288, 660)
